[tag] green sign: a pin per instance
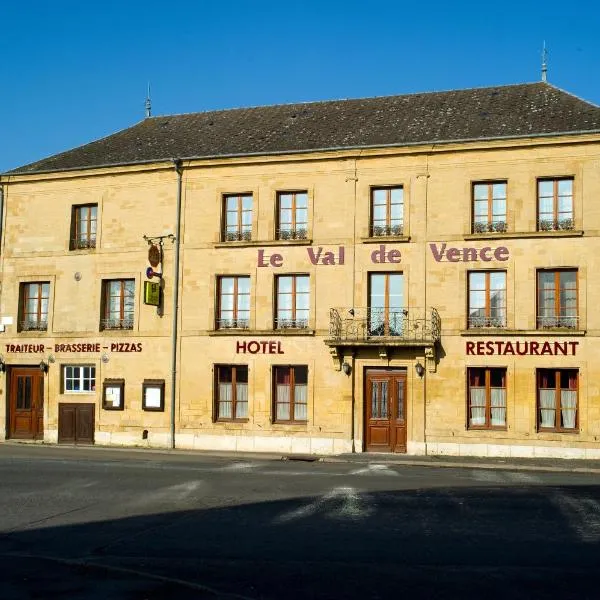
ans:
(151, 293)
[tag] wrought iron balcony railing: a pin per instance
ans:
(237, 236)
(483, 322)
(82, 243)
(115, 323)
(557, 322)
(34, 325)
(299, 233)
(374, 325)
(386, 230)
(233, 323)
(493, 227)
(564, 224)
(291, 323)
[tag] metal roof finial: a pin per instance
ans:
(148, 103)
(544, 62)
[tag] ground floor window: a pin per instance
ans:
(79, 379)
(231, 401)
(290, 393)
(557, 393)
(486, 398)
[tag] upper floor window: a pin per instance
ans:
(387, 211)
(237, 217)
(489, 206)
(555, 204)
(83, 226)
(387, 313)
(33, 307)
(487, 398)
(293, 301)
(292, 216)
(487, 299)
(118, 296)
(557, 399)
(557, 299)
(79, 379)
(234, 303)
(231, 401)
(290, 393)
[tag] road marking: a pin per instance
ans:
(375, 469)
(582, 515)
(341, 503)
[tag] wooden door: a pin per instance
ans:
(385, 419)
(26, 403)
(75, 423)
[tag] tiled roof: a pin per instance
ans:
(531, 109)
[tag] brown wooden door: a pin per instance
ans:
(75, 423)
(26, 403)
(385, 399)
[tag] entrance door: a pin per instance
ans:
(26, 403)
(385, 399)
(75, 423)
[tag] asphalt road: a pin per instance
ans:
(99, 524)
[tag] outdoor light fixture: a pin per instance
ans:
(43, 367)
(2, 365)
(346, 368)
(420, 369)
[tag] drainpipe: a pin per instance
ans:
(174, 327)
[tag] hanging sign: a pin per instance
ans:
(154, 255)
(151, 293)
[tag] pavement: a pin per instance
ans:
(556, 465)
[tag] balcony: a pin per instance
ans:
(387, 230)
(117, 323)
(557, 322)
(34, 325)
(376, 327)
(477, 322)
(563, 224)
(299, 233)
(291, 323)
(244, 235)
(83, 243)
(233, 323)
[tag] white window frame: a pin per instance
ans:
(81, 378)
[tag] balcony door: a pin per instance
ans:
(385, 400)
(387, 313)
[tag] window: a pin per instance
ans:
(34, 306)
(292, 215)
(231, 401)
(293, 301)
(79, 379)
(118, 298)
(387, 211)
(290, 393)
(555, 204)
(489, 206)
(487, 299)
(487, 398)
(238, 217)
(83, 226)
(387, 314)
(557, 299)
(557, 399)
(234, 303)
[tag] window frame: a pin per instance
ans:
(558, 372)
(488, 398)
(153, 384)
(491, 225)
(116, 384)
(81, 379)
(217, 418)
(124, 323)
(557, 296)
(292, 395)
(91, 237)
(240, 234)
(236, 298)
(388, 228)
(293, 322)
(556, 223)
(39, 323)
(389, 322)
(298, 230)
(488, 319)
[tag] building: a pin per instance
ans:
(409, 274)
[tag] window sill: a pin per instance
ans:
(381, 239)
(259, 243)
(568, 431)
(475, 428)
(261, 332)
(497, 331)
(225, 421)
(492, 235)
(33, 332)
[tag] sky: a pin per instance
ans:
(73, 71)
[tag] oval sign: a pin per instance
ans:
(154, 255)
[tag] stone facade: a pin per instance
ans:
(435, 252)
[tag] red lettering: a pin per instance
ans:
(279, 349)
(261, 262)
(470, 254)
(394, 256)
(253, 347)
(471, 348)
(378, 256)
(276, 260)
(508, 349)
(490, 348)
(546, 349)
(139, 346)
(533, 348)
(453, 255)
(560, 346)
(314, 258)
(501, 253)
(271, 347)
(437, 254)
(480, 351)
(341, 255)
(263, 347)
(524, 351)
(240, 347)
(114, 347)
(483, 253)
(573, 347)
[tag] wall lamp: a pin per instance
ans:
(2, 365)
(346, 368)
(420, 369)
(43, 367)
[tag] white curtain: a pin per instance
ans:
(225, 402)
(283, 402)
(498, 399)
(547, 407)
(477, 406)
(241, 406)
(568, 404)
(300, 412)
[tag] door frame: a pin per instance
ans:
(396, 370)
(9, 370)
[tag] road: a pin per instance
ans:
(101, 523)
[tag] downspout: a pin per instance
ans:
(174, 327)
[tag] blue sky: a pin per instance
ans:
(75, 71)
